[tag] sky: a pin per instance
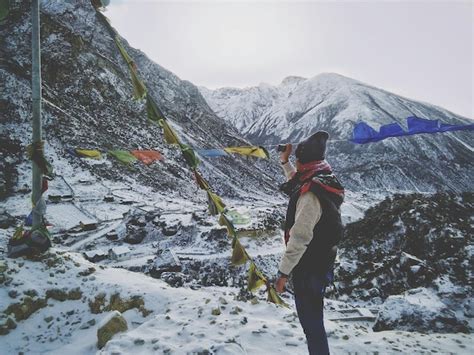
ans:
(418, 49)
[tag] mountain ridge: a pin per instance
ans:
(271, 115)
(87, 103)
(292, 79)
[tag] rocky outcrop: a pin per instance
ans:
(418, 310)
(406, 242)
(111, 325)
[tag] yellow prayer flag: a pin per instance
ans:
(274, 297)
(169, 133)
(88, 153)
(254, 151)
(239, 255)
(216, 205)
(255, 278)
(224, 221)
(202, 183)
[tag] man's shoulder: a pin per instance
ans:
(309, 196)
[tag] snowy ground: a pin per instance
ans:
(183, 320)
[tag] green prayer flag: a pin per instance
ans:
(153, 112)
(189, 155)
(4, 9)
(224, 221)
(239, 255)
(274, 297)
(139, 90)
(123, 156)
(255, 278)
(122, 50)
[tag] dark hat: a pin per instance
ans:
(312, 148)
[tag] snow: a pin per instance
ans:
(255, 328)
(182, 320)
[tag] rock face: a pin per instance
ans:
(418, 310)
(297, 107)
(407, 242)
(87, 103)
(113, 324)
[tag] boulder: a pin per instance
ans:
(170, 230)
(419, 310)
(3, 266)
(112, 324)
(6, 221)
(174, 279)
(135, 234)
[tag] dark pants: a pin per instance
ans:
(309, 296)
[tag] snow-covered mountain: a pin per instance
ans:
(139, 241)
(87, 103)
(297, 107)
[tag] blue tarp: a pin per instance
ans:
(363, 133)
(212, 153)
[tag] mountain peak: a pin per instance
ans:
(333, 77)
(290, 80)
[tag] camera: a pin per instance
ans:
(281, 147)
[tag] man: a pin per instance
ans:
(313, 227)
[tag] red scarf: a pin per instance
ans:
(307, 170)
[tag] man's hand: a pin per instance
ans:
(286, 154)
(280, 284)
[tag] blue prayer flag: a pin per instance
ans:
(363, 133)
(391, 130)
(422, 125)
(212, 153)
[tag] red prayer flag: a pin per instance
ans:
(147, 156)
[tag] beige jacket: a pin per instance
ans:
(308, 213)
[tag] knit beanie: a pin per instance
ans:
(312, 148)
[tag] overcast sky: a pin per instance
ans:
(422, 50)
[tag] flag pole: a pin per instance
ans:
(36, 96)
